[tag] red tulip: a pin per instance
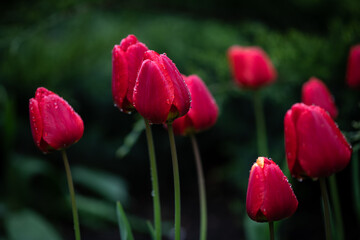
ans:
(251, 67)
(126, 60)
(160, 93)
(315, 92)
(353, 67)
(314, 145)
(203, 112)
(269, 195)
(54, 124)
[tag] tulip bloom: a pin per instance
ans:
(160, 93)
(126, 61)
(251, 67)
(315, 92)
(54, 124)
(269, 195)
(353, 67)
(203, 112)
(314, 145)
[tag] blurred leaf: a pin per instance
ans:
(28, 167)
(109, 186)
(151, 230)
(30, 226)
(124, 226)
(94, 212)
(131, 139)
(255, 230)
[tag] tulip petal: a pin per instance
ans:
(353, 67)
(42, 92)
(323, 150)
(119, 76)
(203, 111)
(280, 200)
(315, 92)
(255, 193)
(62, 126)
(128, 41)
(153, 95)
(181, 92)
(35, 121)
(134, 57)
(291, 143)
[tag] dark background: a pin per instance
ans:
(66, 46)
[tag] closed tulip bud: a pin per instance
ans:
(269, 195)
(54, 123)
(353, 67)
(160, 93)
(314, 145)
(203, 112)
(251, 67)
(126, 61)
(315, 92)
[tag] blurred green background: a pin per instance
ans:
(66, 46)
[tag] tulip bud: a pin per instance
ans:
(160, 93)
(269, 195)
(315, 92)
(203, 112)
(353, 67)
(54, 124)
(314, 145)
(126, 61)
(251, 67)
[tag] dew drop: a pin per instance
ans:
(300, 179)
(153, 193)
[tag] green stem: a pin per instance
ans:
(72, 195)
(176, 181)
(202, 191)
(356, 180)
(337, 208)
(260, 124)
(324, 195)
(154, 180)
(271, 228)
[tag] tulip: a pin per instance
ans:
(202, 115)
(203, 112)
(55, 126)
(353, 67)
(160, 93)
(251, 67)
(269, 195)
(314, 145)
(126, 61)
(54, 123)
(315, 92)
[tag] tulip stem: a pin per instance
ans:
(72, 195)
(337, 208)
(202, 190)
(325, 198)
(271, 228)
(356, 180)
(260, 124)
(176, 181)
(154, 179)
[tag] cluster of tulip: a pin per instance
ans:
(149, 83)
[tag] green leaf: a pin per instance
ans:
(151, 230)
(131, 138)
(124, 226)
(30, 226)
(109, 186)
